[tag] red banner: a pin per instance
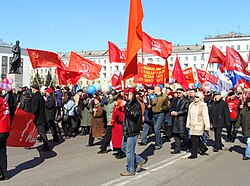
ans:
(23, 131)
(189, 75)
(150, 74)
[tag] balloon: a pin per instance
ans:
(10, 80)
(5, 86)
(5, 80)
(97, 86)
(105, 87)
(9, 87)
(91, 89)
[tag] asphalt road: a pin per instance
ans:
(72, 163)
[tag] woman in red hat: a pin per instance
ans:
(4, 133)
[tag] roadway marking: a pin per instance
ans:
(153, 168)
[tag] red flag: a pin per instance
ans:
(234, 61)
(89, 69)
(23, 131)
(178, 74)
(68, 77)
(44, 59)
(115, 54)
(134, 40)
(166, 71)
(157, 47)
(249, 56)
(216, 56)
(204, 76)
(189, 75)
(116, 81)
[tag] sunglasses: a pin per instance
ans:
(179, 92)
(197, 97)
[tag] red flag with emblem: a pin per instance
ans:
(44, 59)
(68, 77)
(23, 132)
(157, 47)
(178, 74)
(234, 61)
(189, 75)
(134, 40)
(115, 54)
(204, 76)
(89, 69)
(116, 81)
(216, 56)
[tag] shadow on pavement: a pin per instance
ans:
(149, 151)
(31, 163)
(238, 149)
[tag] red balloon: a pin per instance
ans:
(5, 80)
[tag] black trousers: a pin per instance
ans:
(53, 127)
(107, 138)
(178, 137)
(196, 144)
(67, 127)
(217, 137)
(231, 130)
(3, 154)
(41, 132)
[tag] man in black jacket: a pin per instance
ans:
(38, 109)
(131, 129)
(50, 112)
(179, 112)
(219, 117)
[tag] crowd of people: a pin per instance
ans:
(121, 118)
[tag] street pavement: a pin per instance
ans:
(73, 163)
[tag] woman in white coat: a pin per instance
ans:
(197, 123)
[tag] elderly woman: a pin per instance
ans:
(197, 122)
(96, 128)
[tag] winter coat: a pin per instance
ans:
(117, 121)
(244, 121)
(4, 116)
(38, 108)
(160, 104)
(109, 108)
(96, 127)
(198, 118)
(86, 112)
(234, 108)
(69, 107)
(219, 114)
(179, 121)
(132, 119)
(50, 109)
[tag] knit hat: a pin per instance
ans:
(35, 86)
(49, 90)
(200, 95)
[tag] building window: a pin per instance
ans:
(194, 65)
(99, 61)
(194, 58)
(202, 56)
(116, 68)
(195, 74)
(104, 68)
(41, 70)
(202, 66)
(247, 47)
(46, 70)
(110, 68)
(123, 67)
(179, 58)
(171, 58)
(220, 47)
(238, 47)
(104, 74)
(87, 82)
(4, 66)
(186, 58)
(171, 65)
(158, 59)
(232, 47)
(186, 65)
(150, 59)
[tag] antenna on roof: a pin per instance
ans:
(238, 26)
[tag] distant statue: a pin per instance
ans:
(16, 60)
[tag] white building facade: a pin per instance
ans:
(195, 56)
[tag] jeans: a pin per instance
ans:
(247, 151)
(145, 133)
(128, 147)
(158, 119)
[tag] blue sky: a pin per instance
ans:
(63, 25)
